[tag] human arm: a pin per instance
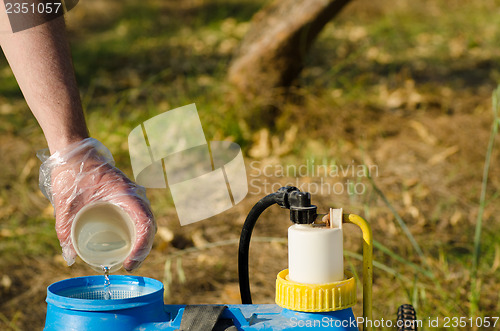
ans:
(41, 62)
(80, 170)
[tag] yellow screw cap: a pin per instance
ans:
(315, 297)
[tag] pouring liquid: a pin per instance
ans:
(106, 247)
(107, 284)
(102, 235)
(105, 241)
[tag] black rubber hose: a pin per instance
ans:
(246, 234)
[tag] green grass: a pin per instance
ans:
(475, 279)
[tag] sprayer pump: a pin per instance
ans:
(301, 212)
(314, 292)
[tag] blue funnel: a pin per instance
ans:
(79, 304)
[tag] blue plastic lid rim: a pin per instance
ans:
(61, 301)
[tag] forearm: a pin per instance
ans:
(41, 62)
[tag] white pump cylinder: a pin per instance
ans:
(315, 253)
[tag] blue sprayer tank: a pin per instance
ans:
(137, 304)
(315, 293)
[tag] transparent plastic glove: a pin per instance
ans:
(83, 173)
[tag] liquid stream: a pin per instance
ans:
(107, 284)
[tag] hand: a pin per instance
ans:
(83, 173)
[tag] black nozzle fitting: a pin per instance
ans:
(299, 203)
(301, 209)
(283, 196)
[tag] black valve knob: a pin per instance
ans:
(301, 209)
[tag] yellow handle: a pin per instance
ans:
(367, 265)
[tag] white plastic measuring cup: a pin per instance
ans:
(103, 235)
